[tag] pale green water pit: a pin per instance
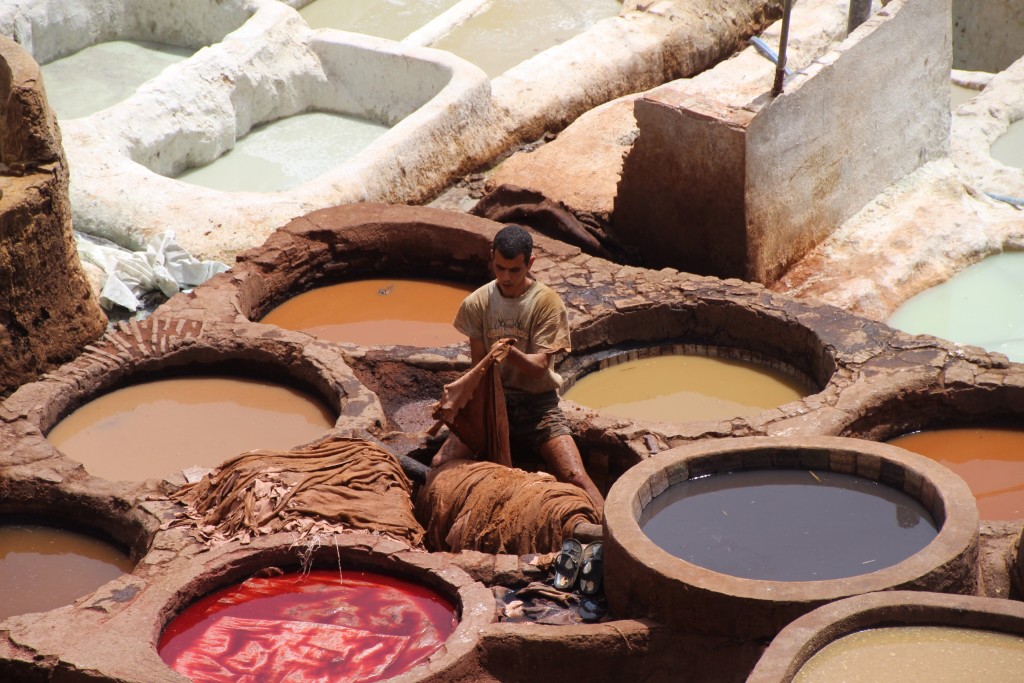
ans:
(285, 153)
(104, 74)
(1009, 149)
(959, 94)
(512, 31)
(392, 19)
(983, 305)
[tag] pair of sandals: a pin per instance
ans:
(577, 562)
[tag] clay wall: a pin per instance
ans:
(47, 310)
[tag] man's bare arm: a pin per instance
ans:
(530, 364)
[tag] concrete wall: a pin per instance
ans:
(742, 188)
(988, 35)
(858, 120)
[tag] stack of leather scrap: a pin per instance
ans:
(337, 484)
(484, 506)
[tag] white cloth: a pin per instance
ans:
(165, 266)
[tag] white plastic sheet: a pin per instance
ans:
(164, 266)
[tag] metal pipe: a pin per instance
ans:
(780, 67)
(765, 51)
(860, 11)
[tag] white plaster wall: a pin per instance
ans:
(50, 29)
(273, 66)
(860, 118)
(263, 62)
(983, 120)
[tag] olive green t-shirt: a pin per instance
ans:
(537, 319)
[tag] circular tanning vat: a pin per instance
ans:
(898, 520)
(153, 398)
(366, 274)
(376, 312)
(357, 625)
(685, 383)
(774, 353)
(228, 593)
(350, 613)
(899, 635)
(976, 430)
(59, 542)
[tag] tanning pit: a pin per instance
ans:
(355, 574)
(59, 544)
(138, 404)
(644, 579)
(915, 634)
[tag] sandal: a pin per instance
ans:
(567, 564)
(591, 569)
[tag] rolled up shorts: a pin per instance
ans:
(534, 419)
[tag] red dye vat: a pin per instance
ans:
(308, 628)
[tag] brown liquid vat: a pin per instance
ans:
(341, 244)
(118, 643)
(934, 398)
(642, 580)
(160, 348)
(803, 638)
(32, 497)
(710, 323)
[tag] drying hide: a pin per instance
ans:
(473, 407)
(469, 505)
(338, 484)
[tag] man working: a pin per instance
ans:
(515, 306)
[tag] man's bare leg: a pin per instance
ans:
(451, 449)
(562, 456)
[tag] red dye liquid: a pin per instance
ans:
(308, 628)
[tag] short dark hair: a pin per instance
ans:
(513, 240)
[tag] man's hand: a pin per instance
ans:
(502, 348)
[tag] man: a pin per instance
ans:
(516, 306)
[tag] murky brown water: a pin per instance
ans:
(42, 567)
(685, 388)
(377, 312)
(787, 525)
(157, 428)
(990, 460)
(918, 654)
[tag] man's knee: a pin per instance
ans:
(451, 449)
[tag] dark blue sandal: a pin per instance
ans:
(567, 564)
(592, 568)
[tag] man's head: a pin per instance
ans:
(511, 241)
(511, 259)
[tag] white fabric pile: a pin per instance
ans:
(164, 266)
